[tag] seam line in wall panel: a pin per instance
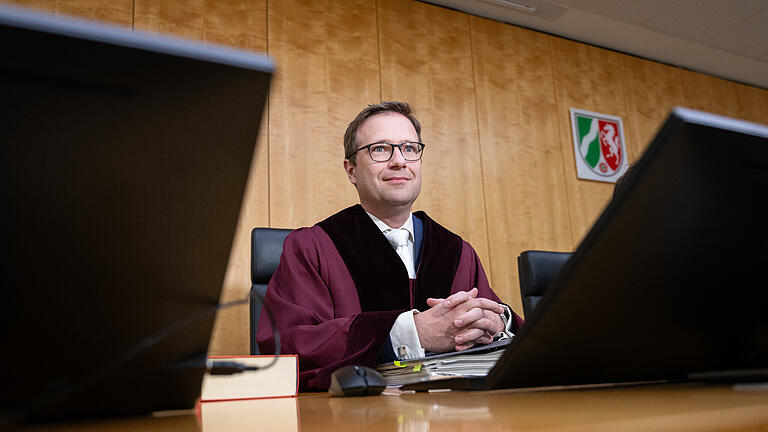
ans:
(489, 264)
(378, 50)
(267, 122)
(564, 159)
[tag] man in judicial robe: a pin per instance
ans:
(376, 282)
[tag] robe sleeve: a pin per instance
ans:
(317, 311)
(470, 274)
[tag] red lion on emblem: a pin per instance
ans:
(609, 140)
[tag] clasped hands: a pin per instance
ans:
(458, 322)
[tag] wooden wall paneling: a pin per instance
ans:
(526, 202)
(174, 18)
(739, 100)
(753, 103)
(725, 101)
(238, 23)
(118, 12)
(242, 24)
(426, 60)
(588, 78)
(112, 11)
(48, 6)
(652, 89)
(231, 331)
(328, 71)
(696, 91)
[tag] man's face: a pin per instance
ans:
(385, 185)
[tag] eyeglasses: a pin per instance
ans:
(383, 151)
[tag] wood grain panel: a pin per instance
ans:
(118, 12)
(243, 24)
(724, 97)
(426, 60)
(738, 100)
(652, 89)
(238, 23)
(753, 103)
(328, 71)
(725, 101)
(587, 78)
(696, 91)
(522, 161)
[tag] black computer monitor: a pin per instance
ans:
(124, 161)
(670, 282)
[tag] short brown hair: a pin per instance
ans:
(350, 136)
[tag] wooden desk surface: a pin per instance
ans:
(680, 407)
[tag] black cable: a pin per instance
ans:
(68, 389)
(221, 367)
(224, 367)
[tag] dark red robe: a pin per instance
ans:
(340, 286)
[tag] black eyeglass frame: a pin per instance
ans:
(399, 147)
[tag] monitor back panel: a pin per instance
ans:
(124, 162)
(671, 280)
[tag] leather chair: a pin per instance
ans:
(537, 269)
(266, 248)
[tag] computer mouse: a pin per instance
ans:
(355, 380)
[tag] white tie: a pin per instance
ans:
(399, 239)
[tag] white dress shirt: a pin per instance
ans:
(404, 337)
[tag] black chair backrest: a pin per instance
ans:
(266, 248)
(537, 270)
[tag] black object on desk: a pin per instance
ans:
(356, 380)
(124, 159)
(670, 282)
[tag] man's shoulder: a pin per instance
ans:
(306, 238)
(316, 231)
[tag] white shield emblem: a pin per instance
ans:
(599, 149)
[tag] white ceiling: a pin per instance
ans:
(725, 38)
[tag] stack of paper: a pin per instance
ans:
(472, 362)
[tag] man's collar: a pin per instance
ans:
(408, 225)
